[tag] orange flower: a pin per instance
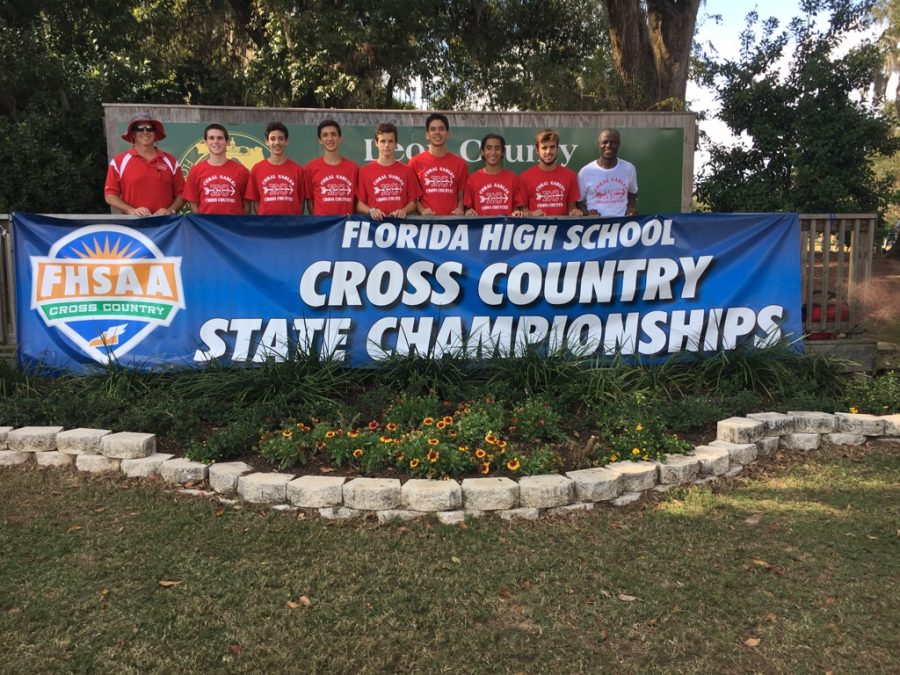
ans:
(485, 468)
(433, 456)
(320, 444)
(287, 433)
(373, 425)
(391, 426)
(433, 441)
(463, 449)
(490, 439)
(352, 434)
(502, 444)
(513, 464)
(441, 424)
(358, 452)
(447, 419)
(414, 462)
(428, 421)
(479, 453)
(329, 434)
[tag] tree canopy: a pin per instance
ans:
(807, 138)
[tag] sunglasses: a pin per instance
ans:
(144, 128)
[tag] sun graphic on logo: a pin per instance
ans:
(105, 252)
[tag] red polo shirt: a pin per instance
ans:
(153, 184)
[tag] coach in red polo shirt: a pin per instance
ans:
(144, 181)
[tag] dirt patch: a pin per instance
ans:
(883, 300)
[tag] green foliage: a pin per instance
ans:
(874, 395)
(228, 442)
(636, 433)
(809, 142)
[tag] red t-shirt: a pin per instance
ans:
(387, 188)
(153, 184)
(332, 188)
(550, 191)
(277, 188)
(493, 194)
(441, 179)
(217, 189)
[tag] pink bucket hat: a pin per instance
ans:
(143, 117)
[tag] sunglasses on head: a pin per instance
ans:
(144, 128)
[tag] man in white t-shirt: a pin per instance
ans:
(608, 185)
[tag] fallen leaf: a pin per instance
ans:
(626, 598)
(325, 469)
(603, 634)
(751, 642)
(762, 563)
(73, 528)
(305, 601)
(235, 649)
(462, 526)
(292, 604)
(871, 537)
(169, 583)
(100, 509)
(219, 512)
(606, 594)
(830, 600)
(753, 520)
(455, 559)
(771, 616)
(104, 595)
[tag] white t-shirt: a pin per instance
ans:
(606, 190)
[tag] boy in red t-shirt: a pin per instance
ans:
(216, 185)
(493, 190)
(386, 187)
(551, 189)
(329, 181)
(441, 174)
(276, 183)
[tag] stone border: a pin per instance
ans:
(740, 441)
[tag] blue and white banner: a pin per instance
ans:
(183, 290)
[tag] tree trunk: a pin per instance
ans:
(652, 49)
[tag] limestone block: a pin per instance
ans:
(145, 467)
(627, 498)
(739, 453)
(316, 492)
(596, 485)
(13, 457)
(891, 426)
(128, 445)
(740, 430)
(577, 507)
(841, 438)
(223, 477)
(800, 442)
(777, 424)
(857, 423)
(81, 441)
(372, 494)
(285, 508)
(766, 446)
(182, 470)
(53, 458)
(636, 476)
(264, 488)
(714, 461)
(548, 491)
(3, 432)
(733, 471)
(706, 480)
(339, 513)
(96, 463)
(489, 494)
(678, 469)
(451, 517)
(527, 513)
(394, 515)
(812, 422)
(32, 439)
(431, 495)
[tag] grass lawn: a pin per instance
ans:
(803, 558)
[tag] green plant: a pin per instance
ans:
(874, 395)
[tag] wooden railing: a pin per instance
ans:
(836, 263)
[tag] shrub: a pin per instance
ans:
(874, 395)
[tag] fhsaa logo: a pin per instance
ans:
(106, 287)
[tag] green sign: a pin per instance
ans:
(657, 153)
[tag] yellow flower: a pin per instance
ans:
(441, 424)
(352, 434)
(490, 439)
(445, 476)
(358, 452)
(639, 427)
(614, 458)
(854, 409)
(428, 421)
(447, 419)
(391, 426)
(433, 441)
(463, 449)
(433, 456)
(287, 433)
(646, 457)
(320, 444)
(513, 464)
(502, 444)
(329, 434)
(635, 451)
(414, 462)
(485, 468)
(479, 453)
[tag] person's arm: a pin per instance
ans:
(363, 208)
(631, 209)
(423, 210)
(585, 210)
(172, 208)
(460, 210)
(405, 210)
(117, 202)
(248, 207)
(309, 206)
(574, 210)
(194, 206)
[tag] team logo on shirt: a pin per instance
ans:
(106, 287)
(338, 186)
(438, 179)
(493, 195)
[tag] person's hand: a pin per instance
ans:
(376, 214)
(520, 213)
(593, 212)
(631, 211)
(537, 213)
(424, 210)
(576, 212)
(400, 213)
(164, 212)
(470, 212)
(140, 211)
(458, 211)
